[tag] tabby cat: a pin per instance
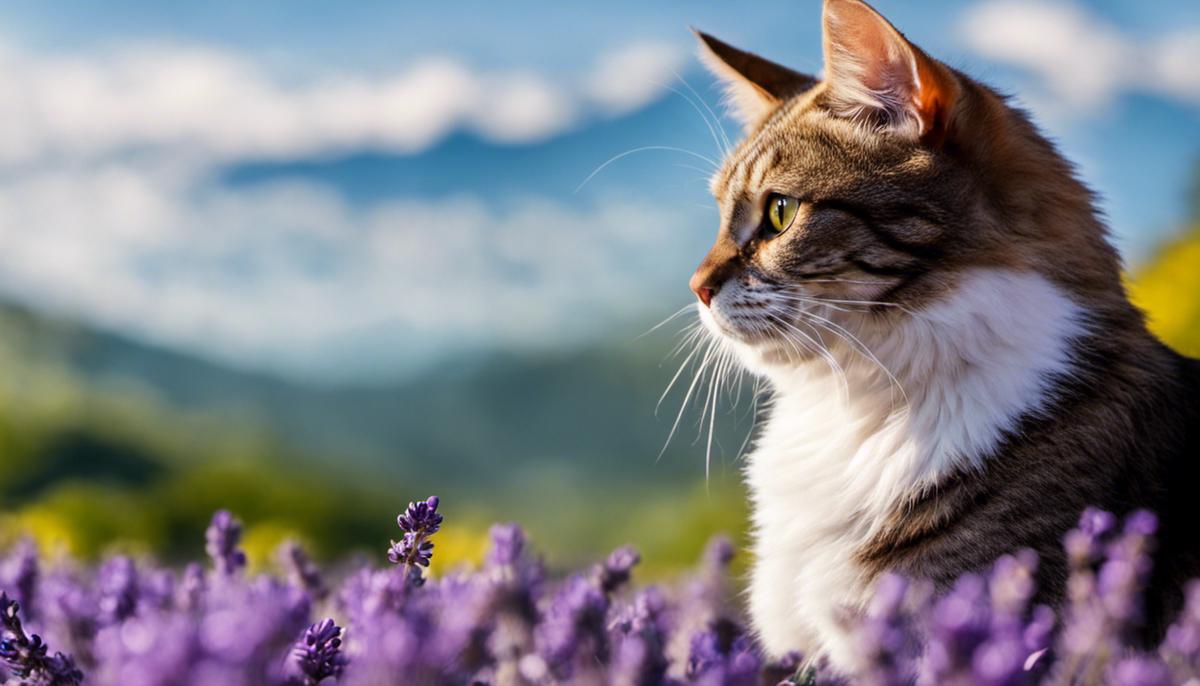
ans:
(955, 366)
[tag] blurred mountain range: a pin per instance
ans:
(487, 414)
(104, 438)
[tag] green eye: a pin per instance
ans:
(781, 212)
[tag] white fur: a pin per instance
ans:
(830, 467)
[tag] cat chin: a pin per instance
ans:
(761, 356)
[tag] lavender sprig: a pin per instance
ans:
(414, 550)
(318, 654)
(26, 657)
(221, 542)
(300, 569)
(20, 572)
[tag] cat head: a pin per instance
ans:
(857, 200)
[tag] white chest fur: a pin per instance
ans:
(830, 466)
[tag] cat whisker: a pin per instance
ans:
(659, 325)
(695, 169)
(696, 377)
(644, 148)
(753, 421)
(728, 146)
(873, 303)
(818, 348)
(836, 329)
(716, 368)
(688, 335)
(712, 412)
(810, 301)
(853, 281)
(674, 379)
(866, 305)
(721, 147)
(858, 346)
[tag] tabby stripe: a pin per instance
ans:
(875, 223)
(879, 269)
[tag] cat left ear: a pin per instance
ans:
(754, 85)
(874, 72)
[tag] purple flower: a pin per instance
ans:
(421, 517)
(1139, 671)
(143, 624)
(19, 575)
(221, 542)
(617, 569)
(191, 587)
(26, 656)
(318, 654)
(884, 638)
(508, 545)
(574, 628)
(300, 570)
(118, 583)
(414, 549)
(722, 654)
(642, 633)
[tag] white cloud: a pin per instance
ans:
(626, 79)
(222, 105)
(1175, 65)
(288, 275)
(1082, 61)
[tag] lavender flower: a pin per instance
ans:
(414, 549)
(221, 542)
(26, 657)
(318, 654)
(300, 570)
(191, 588)
(1104, 609)
(885, 638)
(19, 574)
(723, 655)
(1139, 671)
(616, 570)
(1181, 649)
(508, 623)
(508, 545)
(642, 630)
(574, 628)
(118, 583)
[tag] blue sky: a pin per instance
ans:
(355, 190)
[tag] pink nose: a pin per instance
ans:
(701, 289)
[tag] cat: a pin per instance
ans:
(955, 368)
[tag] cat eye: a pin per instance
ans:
(781, 212)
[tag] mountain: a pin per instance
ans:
(105, 439)
(478, 418)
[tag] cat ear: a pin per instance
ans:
(754, 85)
(873, 72)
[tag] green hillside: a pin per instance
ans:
(107, 441)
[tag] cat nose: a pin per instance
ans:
(702, 290)
(717, 266)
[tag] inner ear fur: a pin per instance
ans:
(754, 85)
(875, 73)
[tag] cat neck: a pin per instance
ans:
(935, 395)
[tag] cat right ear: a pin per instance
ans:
(753, 85)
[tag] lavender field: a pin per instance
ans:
(133, 622)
